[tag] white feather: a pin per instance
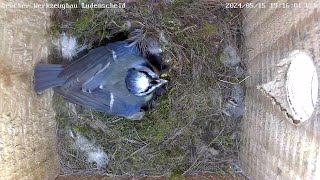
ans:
(230, 57)
(155, 50)
(154, 47)
(111, 101)
(68, 46)
(99, 157)
(93, 152)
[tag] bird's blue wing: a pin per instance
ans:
(89, 64)
(118, 105)
(98, 59)
(89, 70)
(100, 100)
(84, 77)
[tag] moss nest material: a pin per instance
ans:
(186, 132)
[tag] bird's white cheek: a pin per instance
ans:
(143, 83)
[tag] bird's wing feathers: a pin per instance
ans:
(90, 64)
(85, 77)
(98, 59)
(89, 71)
(100, 100)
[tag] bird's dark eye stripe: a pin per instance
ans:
(153, 82)
(149, 87)
(146, 74)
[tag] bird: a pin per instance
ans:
(115, 79)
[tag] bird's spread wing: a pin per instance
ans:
(100, 100)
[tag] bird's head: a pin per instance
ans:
(142, 81)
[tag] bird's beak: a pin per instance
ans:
(162, 81)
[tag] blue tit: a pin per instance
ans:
(115, 79)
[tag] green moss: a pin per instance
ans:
(85, 130)
(61, 108)
(176, 174)
(62, 121)
(101, 115)
(55, 31)
(159, 135)
(85, 21)
(208, 30)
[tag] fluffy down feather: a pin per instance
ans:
(69, 47)
(93, 151)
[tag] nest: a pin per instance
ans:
(186, 132)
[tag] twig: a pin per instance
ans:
(215, 137)
(193, 165)
(185, 29)
(234, 83)
(180, 131)
(137, 151)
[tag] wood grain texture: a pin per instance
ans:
(274, 148)
(27, 124)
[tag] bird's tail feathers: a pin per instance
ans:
(46, 76)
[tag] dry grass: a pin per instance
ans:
(186, 132)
